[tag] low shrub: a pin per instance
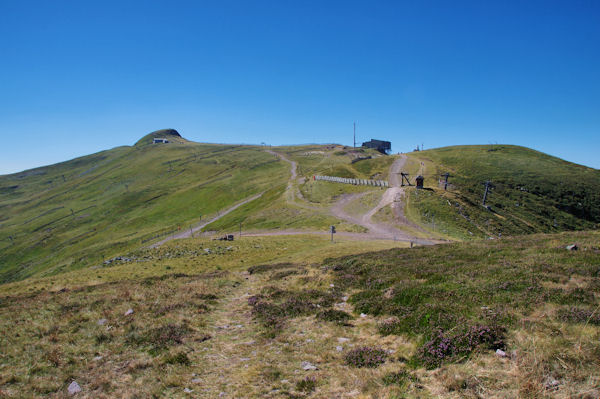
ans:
(445, 346)
(579, 315)
(274, 306)
(283, 274)
(400, 378)
(307, 384)
(336, 316)
(267, 268)
(206, 297)
(366, 357)
(178, 358)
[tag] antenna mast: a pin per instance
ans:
(354, 134)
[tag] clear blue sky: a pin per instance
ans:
(77, 77)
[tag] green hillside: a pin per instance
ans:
(532, 192)
(82, 211)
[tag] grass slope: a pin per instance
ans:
(414, 323)
(77, 213)
(533, 192)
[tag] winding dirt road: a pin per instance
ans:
(392, 196)
(376, 231)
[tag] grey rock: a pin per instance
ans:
(572, 247)
(339, 348)
(308, 366)
(342, 340)
(551, 384)
(74, 388)
(196, 381)
(129, 312)
(102, 322)
(500, 353)
(187, 390)
(97, 358)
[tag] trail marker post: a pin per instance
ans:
(332, 230)
(446, 176)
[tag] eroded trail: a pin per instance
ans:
(232, 350)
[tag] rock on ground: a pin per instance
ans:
(74, 388)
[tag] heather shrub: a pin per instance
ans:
(275, 305)
(167, 335)
(444, 346)
(366, 357)
(336, 316)
(579, 315)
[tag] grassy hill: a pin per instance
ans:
(297, 316)
(81, 212)
(532, 192)
(77, 213)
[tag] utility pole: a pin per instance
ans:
(446, 176)
(488, 185)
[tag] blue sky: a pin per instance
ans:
(78, 77)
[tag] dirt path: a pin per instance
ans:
(233, 347)
(377, 231)
(188, 233)
(293, 192)
(294, 165)
(393, 196)
(395, 169)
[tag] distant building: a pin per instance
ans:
(160, 141)
(382, 146)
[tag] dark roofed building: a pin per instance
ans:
(382, 146)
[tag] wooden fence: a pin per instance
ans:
(360, 182)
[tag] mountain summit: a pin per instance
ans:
(171, 134)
